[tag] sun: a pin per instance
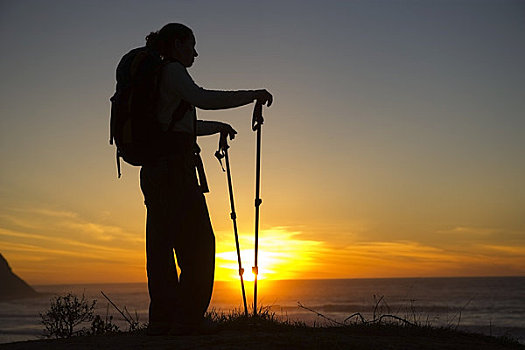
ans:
(267, 265)
(281, 256)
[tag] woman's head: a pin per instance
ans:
(174, 41)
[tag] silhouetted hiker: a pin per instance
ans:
(177, 215)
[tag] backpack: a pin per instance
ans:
(134, 128)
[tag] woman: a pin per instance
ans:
(177, 215)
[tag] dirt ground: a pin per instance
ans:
(297, 338)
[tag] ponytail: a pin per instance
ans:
(152, 41)
(162, 40)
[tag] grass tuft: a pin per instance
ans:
(265, 319)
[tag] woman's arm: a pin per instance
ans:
(177, 80)
(206, 127)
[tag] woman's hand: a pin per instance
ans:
(226, 130)
(263, 97)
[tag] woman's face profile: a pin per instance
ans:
(185, 51)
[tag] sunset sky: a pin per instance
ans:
(395, 146)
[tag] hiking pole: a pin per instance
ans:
(222, 152)
(257, 121)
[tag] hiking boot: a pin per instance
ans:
(182, 329)
(207, 327)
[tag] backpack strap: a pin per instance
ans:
(183, 106)
(203, 183)
(118, 163)
(112, 120)
(199, 165)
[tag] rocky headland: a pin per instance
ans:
(12, 286)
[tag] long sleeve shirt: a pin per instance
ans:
(176, 84)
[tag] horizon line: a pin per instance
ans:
(294, 279)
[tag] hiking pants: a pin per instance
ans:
(177, 221)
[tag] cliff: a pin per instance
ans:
(12, 286)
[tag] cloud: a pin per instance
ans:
(470, 231)
(55, 213)
(100, 232)
(66, 224)
(41, 244)
(40, 241)
(290, 254)
(502, 250)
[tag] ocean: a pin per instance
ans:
(488, 305)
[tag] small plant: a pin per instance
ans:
(358, 318)
(133, 322)
(65, 314)
(101, 326)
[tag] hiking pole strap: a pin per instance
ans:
(200, 170)
(202, 175)
(219, 157)
(118, 164)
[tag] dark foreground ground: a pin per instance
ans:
(380, 337)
